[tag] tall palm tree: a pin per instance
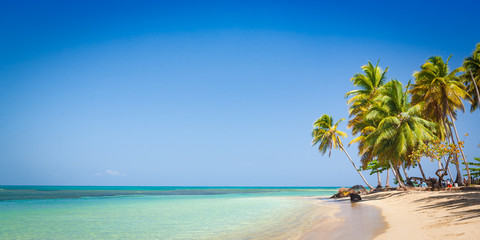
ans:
(400, 128)
(471, 77)
(361, 99)
(327, 136)
(440, 92)
(388, 177)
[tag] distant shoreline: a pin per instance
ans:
(26, 192)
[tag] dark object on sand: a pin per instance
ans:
(409, 183)
(355, 197)
(342, 192)
(418, 179)
(440, 173)
(345, 192)
(433, 184)
(359, 189)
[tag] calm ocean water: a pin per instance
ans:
(61, 212)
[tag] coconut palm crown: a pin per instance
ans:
(438, 90)
(328, 137)
(400, 125)
(362, 98)
(326, 134)
(471, 77)
(441, 93)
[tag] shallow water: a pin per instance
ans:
(353, 221)
(154, 213)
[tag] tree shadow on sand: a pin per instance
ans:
(455, 204)
(383, 196)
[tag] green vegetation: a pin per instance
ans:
(395, 126)
(440, 93)
(376, 167)
(475, 167)
(471, 77)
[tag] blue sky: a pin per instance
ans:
(210, 93)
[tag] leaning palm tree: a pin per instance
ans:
(471, 77)
(361, 99)
(400, 129)
(440, 92)
(327, 136)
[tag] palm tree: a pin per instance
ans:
(400, 127)
(326, 135)
(368, 82)
(475, 167)
(471, 77)
(388, 177)
(440, 93)
(362, 98)
(375, 167)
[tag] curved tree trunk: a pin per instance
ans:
(421, 170)
(396, 173)
(388, 177)
(461, 151)
(458, 179)
(401, 182)
(404, 172)
(459, 175)
(393, 170)
(356, 169)
(447, 168)
(379, 184)
(476, 87)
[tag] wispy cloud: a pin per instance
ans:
(113, 173)
(98, 174)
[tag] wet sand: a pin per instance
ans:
(351, 221)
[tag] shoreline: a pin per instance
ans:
(350, 221)
(427, 214)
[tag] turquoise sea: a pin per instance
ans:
(81, 212)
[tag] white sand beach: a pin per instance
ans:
(428, 215)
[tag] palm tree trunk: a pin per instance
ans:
(459, 174)
(405, 172)
(476, 87)
(461, 151)
(421, 170)
(455, 156)
(379, 184)
(447, 168)
(396, 173)
(388, 177)
(401, 182)
(393, 170)
(356, 169)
